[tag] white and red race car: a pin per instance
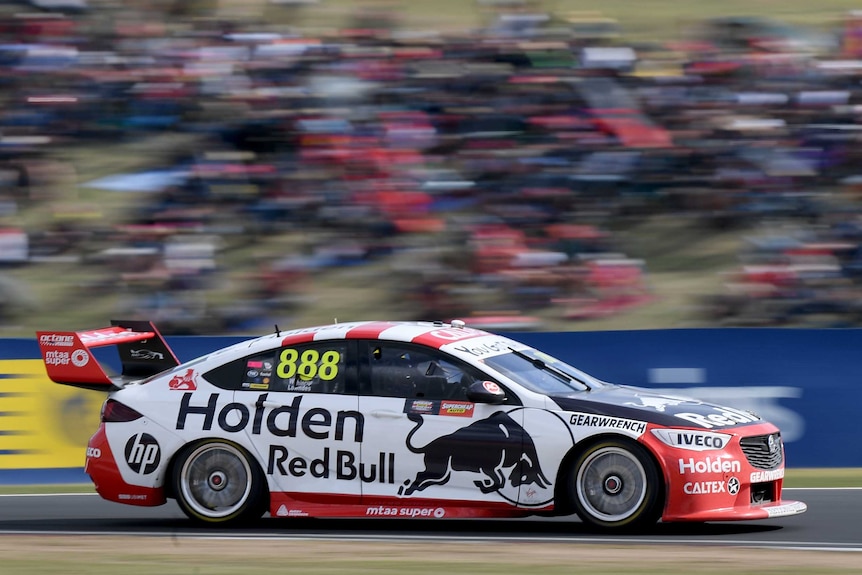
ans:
(408, 420)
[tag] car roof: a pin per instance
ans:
(434, 334)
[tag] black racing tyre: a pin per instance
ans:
(216, 481)
(615, 484)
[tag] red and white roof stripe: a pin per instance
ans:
(433, 334)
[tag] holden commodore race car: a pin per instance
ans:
(407, 420)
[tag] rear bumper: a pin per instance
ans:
(101, 466)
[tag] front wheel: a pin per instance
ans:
(614, 484)
(217, 482)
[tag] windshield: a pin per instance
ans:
(541, 372)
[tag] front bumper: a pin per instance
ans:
(727, 484)
(765, 511)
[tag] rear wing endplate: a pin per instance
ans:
(69, 358)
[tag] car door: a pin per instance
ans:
(303, 418)
(425, 440)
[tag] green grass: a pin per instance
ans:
(640, 19)
(46, 489)
(828, 477)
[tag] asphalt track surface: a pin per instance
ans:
(831, 523)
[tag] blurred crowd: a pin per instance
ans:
(490, 169)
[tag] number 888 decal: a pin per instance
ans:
(300, 367)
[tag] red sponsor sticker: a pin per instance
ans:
(185, 381)
(456, 408)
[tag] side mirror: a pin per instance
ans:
(485, 392)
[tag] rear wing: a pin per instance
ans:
(69, 358)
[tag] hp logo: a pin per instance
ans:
(143, 453)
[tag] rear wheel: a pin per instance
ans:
(218, 482)
(614, 484)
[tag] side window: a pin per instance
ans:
(307, 368)
(257, 372)
(249, 373)
(311, 368)
(399, 370)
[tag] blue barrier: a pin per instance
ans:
(808, 382)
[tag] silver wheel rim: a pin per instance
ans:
(611, 484)
(215, 480)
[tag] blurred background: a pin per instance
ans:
(220, 166)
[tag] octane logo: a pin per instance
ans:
(143, 453)
(57, 340)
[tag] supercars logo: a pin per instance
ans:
(492, 446)
(143, 453)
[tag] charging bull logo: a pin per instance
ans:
(493, 446)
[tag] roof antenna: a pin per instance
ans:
(277, 331)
